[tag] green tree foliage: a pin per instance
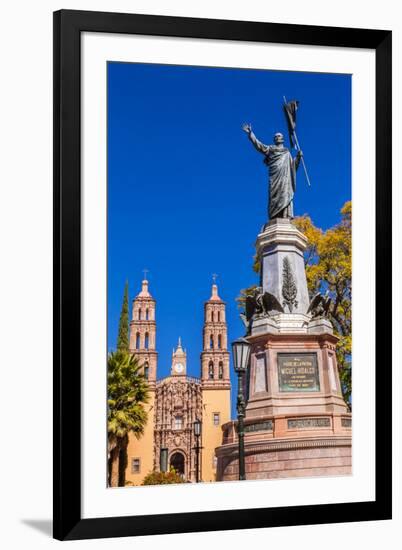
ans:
(328, 261)
(162, 478)
(127, 393)
(244, 292)
(122, 338)
(241, 299)
(329, 267)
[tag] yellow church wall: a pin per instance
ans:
(142, 448)
(214, 401)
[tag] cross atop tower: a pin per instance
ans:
(145, 271)
(214, 277)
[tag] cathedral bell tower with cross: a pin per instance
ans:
(215, 379)
(215, 355)
(143, 346)
(143, 331)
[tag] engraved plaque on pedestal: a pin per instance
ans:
(296, 423)
(298, 372)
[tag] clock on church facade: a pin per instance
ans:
(178, 400)
(179, 361)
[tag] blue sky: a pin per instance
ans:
(187, 192)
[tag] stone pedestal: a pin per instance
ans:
(293, 373)
(274, 458)
(296, 423)
(282, 242)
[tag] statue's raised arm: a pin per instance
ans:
(261, 147)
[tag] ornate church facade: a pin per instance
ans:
(178, 400)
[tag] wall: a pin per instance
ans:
(213, 401)
(26, 274)
(142, 448)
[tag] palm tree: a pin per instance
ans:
(127, 394)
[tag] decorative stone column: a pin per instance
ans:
(280, 249)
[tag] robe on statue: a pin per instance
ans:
(282, 178)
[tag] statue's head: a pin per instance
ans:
(278, 138)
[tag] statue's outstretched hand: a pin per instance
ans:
(247, 128)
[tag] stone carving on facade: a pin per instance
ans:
(177, 399)
(289, 288)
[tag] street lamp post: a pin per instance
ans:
(241, 355)
(197, 434)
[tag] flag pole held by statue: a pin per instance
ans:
(290, 115)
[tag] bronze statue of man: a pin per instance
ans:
(282, 174)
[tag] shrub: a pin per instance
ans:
(162, 478)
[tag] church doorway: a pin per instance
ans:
(177, 462)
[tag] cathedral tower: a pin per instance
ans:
(215, 355)
(143, 332)
(143, 345)
(215, 381)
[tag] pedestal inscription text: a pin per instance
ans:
(298, 372)
(259, 427)
(309, 423)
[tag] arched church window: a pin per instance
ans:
(139, 314)
(219, 316)
(211, 341)
(211, 370)
(212, 316)
(146, 370)
(147, 314)
(219, 341)
(220, 370)
(146, 340)
(137, 340)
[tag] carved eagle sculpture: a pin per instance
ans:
(271, 304)
(320, 305)
(259, 303)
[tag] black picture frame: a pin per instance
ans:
(68, 522)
